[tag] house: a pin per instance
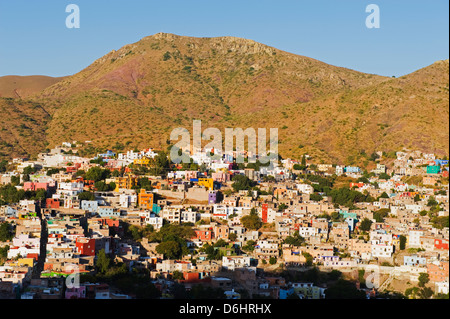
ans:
(308, 291)
(441, 244)
(75, 292)
(16, 275)
(214, 197)
(433, 169)
(145, 199)
(203, 235)
(208, 183)
(221, 177)
(414, 260)
(108, 212)
(442, 287)
(127, 182)
(235, 262)
(89, 205)
(414, 238)
(85, 246)
(221, 232)
(265, 249)
(438, 271)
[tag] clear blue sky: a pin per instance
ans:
(413, 34)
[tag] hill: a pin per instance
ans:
(14, 86)
(23, 125)
(135, 96)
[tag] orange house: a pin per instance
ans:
(203, 235)
(145, 200)
(438, 272)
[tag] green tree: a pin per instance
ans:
(440, 222)
(309, 258)
(6, 232)
(424, 278)
(384, 195)
(315, 197)
(294, 240)
(272, 260)
(103, 262)
(412, 293)
(177, 275)
(160, 164)
(425, 293)
(402, 242)
(241, 182)
(3, 166)
(249, 246)
(3, 254)
(29, 170)
(170, 249)
(97, 174)
(86, 196)
(252, 221)
(344, 289)
(232, 237)
(365, 224)
(432, 201)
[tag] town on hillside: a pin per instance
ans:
(133, 225)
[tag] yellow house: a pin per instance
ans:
(145, 161)
(207, 183)
(127, 182)
(21, 262)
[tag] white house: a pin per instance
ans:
(234, 262)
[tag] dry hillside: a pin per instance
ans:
(135, 96)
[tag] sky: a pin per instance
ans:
(412, 34)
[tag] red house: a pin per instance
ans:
(265, 209)
(203, 235)
(441, 244)
(34, 256)
(52, 203)
(86, 246)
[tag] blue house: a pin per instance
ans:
(106, 156)
(108, 212)
(439, 162)
(156, 209)
(286, 292)
(89, 205)
(414, 261)
(352, 169)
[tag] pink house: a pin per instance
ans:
(191, 174)
(220, 177)
(33, 186)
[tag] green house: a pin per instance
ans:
(433, 169)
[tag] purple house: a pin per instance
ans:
(214, 197)
(76, 293)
